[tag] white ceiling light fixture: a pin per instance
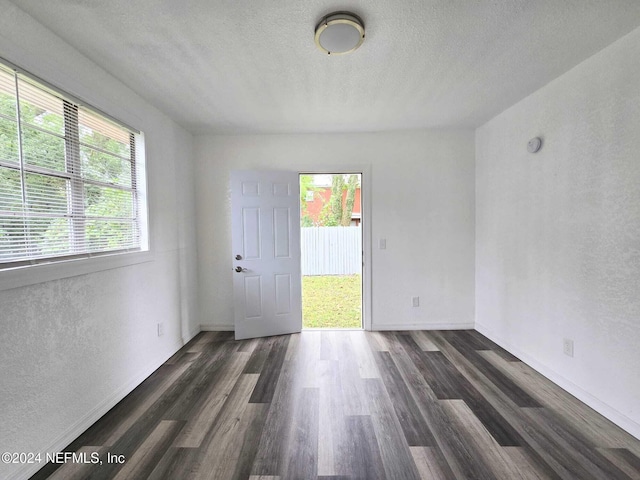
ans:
(339, 33)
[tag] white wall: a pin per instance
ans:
(422, 203)
(558, 233)
(71, 348)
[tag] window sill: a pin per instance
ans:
(46, 272)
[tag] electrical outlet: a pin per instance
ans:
(567, 347)
(160, 329)
(415, 301)
(383, 243)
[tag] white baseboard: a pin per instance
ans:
(422, 326)
(82, 424)
(192, 333)
(217, 328)
(376, 326)
(606, 410)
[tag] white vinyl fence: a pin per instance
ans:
(331, 250)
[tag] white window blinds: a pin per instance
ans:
(68, 180)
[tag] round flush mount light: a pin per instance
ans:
(339, 33)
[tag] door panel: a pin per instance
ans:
(283, 294)
(251, 233)
(253, 297)
(281, 232)
(265, 221)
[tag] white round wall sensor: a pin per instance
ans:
(534, 145)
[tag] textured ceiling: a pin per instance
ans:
(252, 66)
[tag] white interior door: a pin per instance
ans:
(265, 216)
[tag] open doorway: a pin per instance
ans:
(331, 246)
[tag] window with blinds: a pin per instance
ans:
(68, 180)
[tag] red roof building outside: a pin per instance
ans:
(321, 196)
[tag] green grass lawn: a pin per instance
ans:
(331, 301)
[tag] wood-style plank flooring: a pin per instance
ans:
(347, 405)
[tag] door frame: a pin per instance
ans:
(365, 222)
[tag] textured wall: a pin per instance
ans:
(422, 203)
(70, 348)
(558, 233)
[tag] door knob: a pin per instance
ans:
(238, 257)
(240, 269)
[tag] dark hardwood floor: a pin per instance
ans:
(351, 404)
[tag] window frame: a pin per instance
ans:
(21, 272)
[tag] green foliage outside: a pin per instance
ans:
(306, 221)
(334, 213)
(306, 185)
(349, 200)
(51, 195)
(332, 301)
(40, 149)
